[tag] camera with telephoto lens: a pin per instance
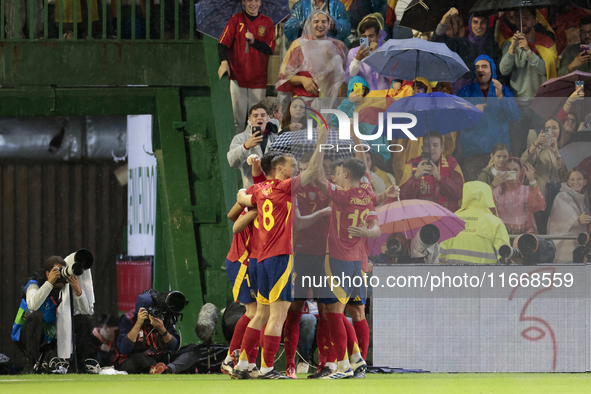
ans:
(83, 260)
(395, 248)
(532, 249)
(167, 305)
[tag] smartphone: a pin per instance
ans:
(512, 175)
(255, 129)
(579, 86)
(426, 156)
(358, 88)
(584, 47)
(548, 132)
(365, 40)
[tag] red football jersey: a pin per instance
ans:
(254, 227)
(273, 200)
(249, 70)
(350, 207)
(240, 249)
(311, 240)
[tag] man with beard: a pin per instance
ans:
(573, 57)
(498, 106)
(314, 64)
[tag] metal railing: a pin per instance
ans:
(98, 20)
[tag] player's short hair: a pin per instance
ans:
(266, 161)
(306, 157)
(432, 134)
(257, 106)
(336, 163)
(271, 104)
(368, 24)
(355, 167)
(281, 160)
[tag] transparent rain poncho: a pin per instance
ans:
(516, 205)
(323, 59)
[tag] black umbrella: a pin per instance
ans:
(425, 15)
(505, 5)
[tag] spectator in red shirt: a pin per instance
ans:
(246, 66)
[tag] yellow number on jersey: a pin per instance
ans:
(355, 217)
(241, 26)
(268, 219)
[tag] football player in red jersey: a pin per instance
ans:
(275, 266)
(311, 229)
(352, 220)
(242, 260)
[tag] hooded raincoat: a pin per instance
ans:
(564, 220)
(484, 234)
(493, 127)
(516, 206)
(303, 9)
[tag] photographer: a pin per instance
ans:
(148, 341)
(35, 326)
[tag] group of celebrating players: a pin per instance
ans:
(333, 217)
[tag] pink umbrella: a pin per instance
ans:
(409, 216)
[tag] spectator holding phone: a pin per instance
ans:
(516, 203)
(577, 56)
(372, 37)
(495, 172)
(570, 120)
(544, 156)
(254, 140)
(432, 176)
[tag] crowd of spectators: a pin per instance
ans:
(513, 148)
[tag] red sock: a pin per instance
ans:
(337, 334)
(362, 330)
(351, 335)
(291, 336)
(250, 344)
(239, 333)
(270, 348)
(321, 340)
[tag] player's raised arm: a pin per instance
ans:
(235, 212)
(244, 199)
(316, 161)
(301, 222)
(244, 220)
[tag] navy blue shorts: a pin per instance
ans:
(308, 267)
(275, 279)
(239, 280)
(348, 282)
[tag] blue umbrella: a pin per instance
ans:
(413, 57)
(213, 15)
(435, 112)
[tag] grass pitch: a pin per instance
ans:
(221, 384)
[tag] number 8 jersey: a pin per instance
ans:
(351, 207)
(273, 201)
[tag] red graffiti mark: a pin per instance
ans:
(523, 318)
